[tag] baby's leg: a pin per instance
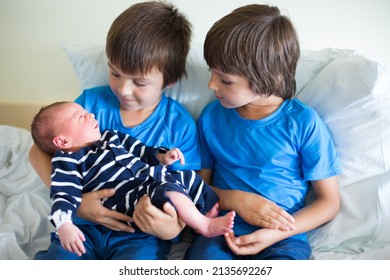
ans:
(205, 225)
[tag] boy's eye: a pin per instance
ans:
(139, 84)
(116, 75)
(226, 82)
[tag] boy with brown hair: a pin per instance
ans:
(281, 146)
(146, 46)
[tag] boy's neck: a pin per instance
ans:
(134, 118)
(261, 109)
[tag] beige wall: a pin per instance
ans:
(35, 69)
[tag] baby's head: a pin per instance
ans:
(64, 126)
(258, 43)
(150, 36)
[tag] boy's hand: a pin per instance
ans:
(150, 219)
(171, 156)
(259, 211)
(250, 244)
(72, 238)
(91, 208)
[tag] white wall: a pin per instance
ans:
(35, 69)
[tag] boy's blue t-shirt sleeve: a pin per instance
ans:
(203, 124)
(319, 158)
(182, 131)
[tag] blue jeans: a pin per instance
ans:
(103, 244)
(216, 248)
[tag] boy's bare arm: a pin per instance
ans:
(253, 208)
(323, 209)
(41, 162)
(91, 208)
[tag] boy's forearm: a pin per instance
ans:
(311, 217)
(41, 162)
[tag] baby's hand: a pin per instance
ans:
(72, 238)
(171, 156)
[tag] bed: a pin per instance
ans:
(349, 91)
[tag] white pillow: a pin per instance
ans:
(311, 63)
(90, 65)
(363, 223)
(352, 95)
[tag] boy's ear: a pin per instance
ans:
(61, 142)
(170, 85)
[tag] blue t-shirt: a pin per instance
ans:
(170, 125)
(275, 157)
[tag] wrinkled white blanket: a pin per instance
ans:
(24, 200)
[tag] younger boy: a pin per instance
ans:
(84, 161)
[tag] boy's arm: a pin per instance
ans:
(253, 208)
(323, 209)
(41, 162)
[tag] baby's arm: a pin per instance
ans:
(323, 209)
(170, 157)
(253, 208)
(71, 238)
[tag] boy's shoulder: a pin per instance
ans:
(173, 109)
(299, 109)
(214, 108)
(96, 95)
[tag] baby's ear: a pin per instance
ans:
(61, 142)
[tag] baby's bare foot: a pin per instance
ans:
(220, 225)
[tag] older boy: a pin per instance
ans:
(147, 46)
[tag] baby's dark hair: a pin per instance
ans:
(256, 42)
(43, 128)
(150, 35)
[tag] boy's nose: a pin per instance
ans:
(212, 85)
(125, 89)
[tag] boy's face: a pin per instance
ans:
(77, 126)
(231, 90)
(136, 92)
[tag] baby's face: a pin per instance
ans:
(79, 126)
